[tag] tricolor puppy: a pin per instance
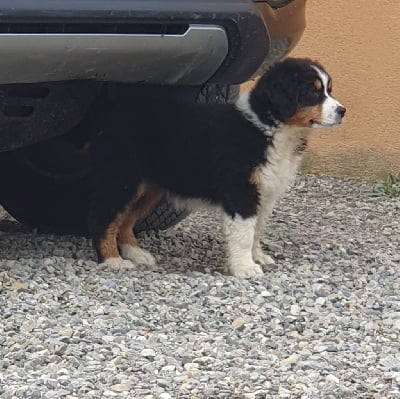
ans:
(237, 158)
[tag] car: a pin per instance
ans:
(59, 57)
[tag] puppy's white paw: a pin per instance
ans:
(246, 270)
(137, 255)
(261, 258)
(118, 263)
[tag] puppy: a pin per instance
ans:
(237, 158)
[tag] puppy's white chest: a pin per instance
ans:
(277, 178)
(283, 162)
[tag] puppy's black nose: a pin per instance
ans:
(341, 110)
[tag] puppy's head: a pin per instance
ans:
(296, 92)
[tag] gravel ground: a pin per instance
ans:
(323, 323)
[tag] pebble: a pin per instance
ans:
(292, 359)
(238, 324)
(120, 387)
(332, 378)
(295, 310)
(148, 353)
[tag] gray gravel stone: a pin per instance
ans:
(324, 322)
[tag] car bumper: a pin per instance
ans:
(153, 41)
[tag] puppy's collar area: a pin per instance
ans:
(243, 105)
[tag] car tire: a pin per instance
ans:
(47, 186)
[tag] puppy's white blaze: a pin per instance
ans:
(239, 234)
(329, 106)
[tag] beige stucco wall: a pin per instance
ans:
(359, 44)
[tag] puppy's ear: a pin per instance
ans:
(275, 96)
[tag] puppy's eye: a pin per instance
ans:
(318, 85)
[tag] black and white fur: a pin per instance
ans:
(237, 158)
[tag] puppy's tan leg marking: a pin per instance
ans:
(147, 198)
(108, 246)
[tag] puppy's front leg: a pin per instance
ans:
(239, 234)
(263, 214)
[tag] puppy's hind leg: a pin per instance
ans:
(109, 209)
(146, 198)
(104, 239)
